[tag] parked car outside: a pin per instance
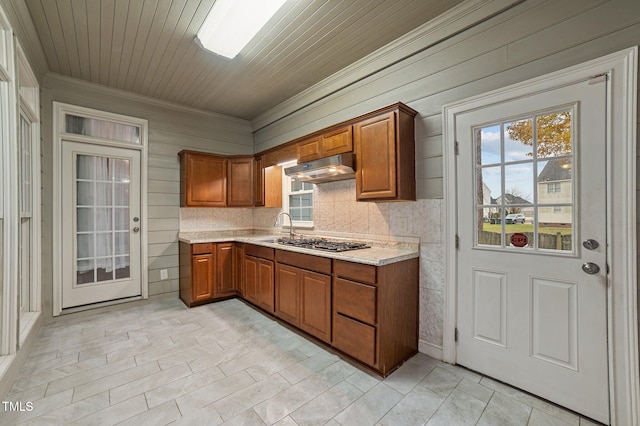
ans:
(514, 218)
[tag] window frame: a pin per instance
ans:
(554, 188)
(286, 192)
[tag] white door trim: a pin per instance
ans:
(621, 145)
(59, 111)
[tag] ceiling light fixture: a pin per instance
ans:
(231, 24)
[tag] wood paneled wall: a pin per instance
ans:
(171, 129)
(531, 39)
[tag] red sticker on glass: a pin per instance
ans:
(519, 239)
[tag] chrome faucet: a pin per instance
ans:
(291, 228)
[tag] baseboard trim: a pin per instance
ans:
(431, 349)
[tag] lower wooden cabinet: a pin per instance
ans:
(287, 286)
(303, 292)
(225, 284)
(259, 276)
(375, 312)
(315, 305)
(206, 272)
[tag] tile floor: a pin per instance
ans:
(156, 362)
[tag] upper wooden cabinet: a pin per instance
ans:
(385, 155)
(209, 180)
(258, 181)
(203, 180)
(309, 149)
(337, 141)
(267, 184)
(240, 181)
(329, 143)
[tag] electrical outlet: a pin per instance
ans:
(164, 274)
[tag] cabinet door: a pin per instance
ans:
(337, 142)
(251, 278)
(202, 276)
(258, 182)
(265, 284)
(240, 181)
(203, 180)
(224, 282)
(375, 151)
(315, 304)
(288, 293)
(309, 149)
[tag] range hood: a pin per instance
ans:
(328, 169)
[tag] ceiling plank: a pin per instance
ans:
(81, 32)
(40, 22)
(120, 19)
(57, 38)
(152, 37)
(107, 18)
(179, 16)
(119, 73)
(178, 61)
(93, 25)
(67, 22)
(128, 71)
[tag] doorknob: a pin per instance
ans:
(136, 229)
(590, 268)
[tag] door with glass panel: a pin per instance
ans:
(101, 223)
(532, 265)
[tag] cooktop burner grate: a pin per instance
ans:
(322, 244)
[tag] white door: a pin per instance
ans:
(532, 297)
(100, 223)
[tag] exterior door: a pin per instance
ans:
(532, 308)
(101, 223)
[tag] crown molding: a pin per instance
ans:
(455, 20)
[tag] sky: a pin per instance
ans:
(517, 176)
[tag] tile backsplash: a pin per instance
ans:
(337, 214)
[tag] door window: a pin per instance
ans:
(524, 195)
(102, 219)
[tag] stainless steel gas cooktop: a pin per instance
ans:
(322, 244)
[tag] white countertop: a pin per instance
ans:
(379, 254)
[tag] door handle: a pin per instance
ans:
(136, 229)
(590, 268)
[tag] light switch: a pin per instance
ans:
(164, 274)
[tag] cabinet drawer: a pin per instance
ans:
(355, 271)
(355, 339)
(304, 261)
(259, 251)
(355, 300)
(202, 248)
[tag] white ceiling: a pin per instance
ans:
(147, 47)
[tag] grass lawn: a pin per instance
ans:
(527, 227)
